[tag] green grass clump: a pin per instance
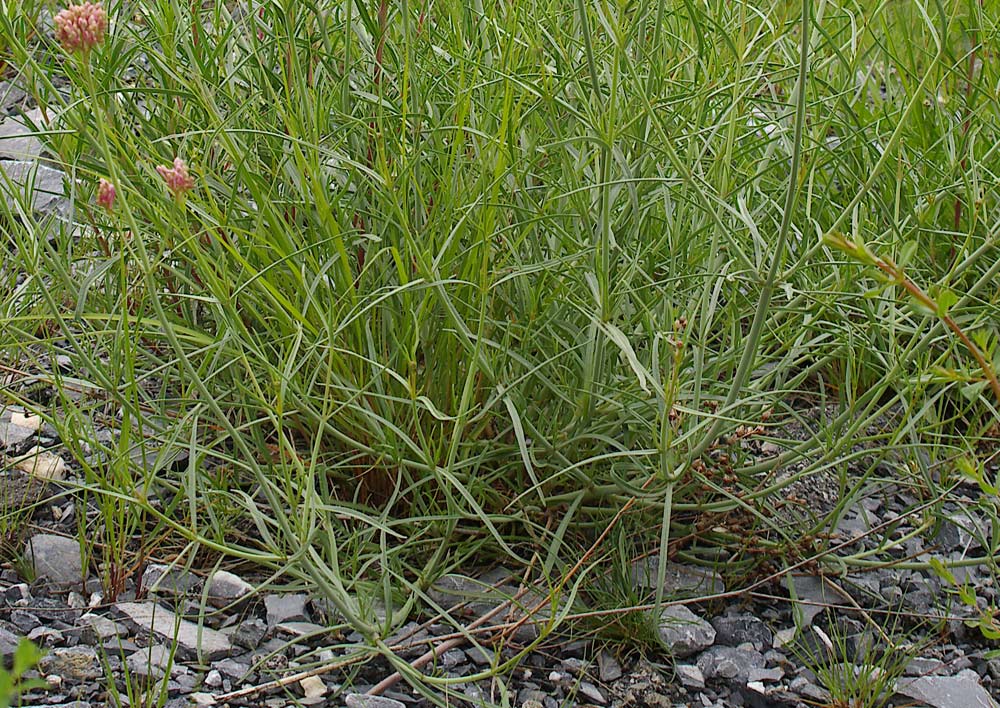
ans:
(459, 282)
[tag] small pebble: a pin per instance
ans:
(593, 693)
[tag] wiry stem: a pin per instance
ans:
(887, 266)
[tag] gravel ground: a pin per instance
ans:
(743, 650)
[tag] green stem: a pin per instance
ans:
(752, 341)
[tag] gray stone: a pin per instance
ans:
(679, 580)
(760, 675)
(855, 523)
(8, 643)
(119, 648)
(963, 531)
(452, 658)
(55, 558)
(11, 97)
(962, 690)
(413, 637)
(153, 662)
(920, 666)
(234, 669)
(225, 588)
(360, 700)
(46, 636)
(164, 623)
(72, 663)
(97, 629)
(213, 679)
(285, 608)
(683, 632)
(578, 648)
(24, 621)
(593, 693)
(17, 592)
(730, 662)
(531, 696)
(482, 656)
(47, 186)
(813, 595)
(804, 687)
(479, 597)
(249, 634)
(608, 669)
(689, 675)
(12, 435)
(54, 611)
(733, 630)
(452, 589)
(17, 140)
(160, 579)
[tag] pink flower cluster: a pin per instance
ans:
(177, 178)
(81, 27)
(106, 194)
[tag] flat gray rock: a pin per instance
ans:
(224, 588)
(761, 675)
(679, 580)
(479, 596)
(99, 629)
(154, 619)
(47, 187)
(593, 693)
(55, 558)
(159, 579)
(962, 690)
(8, 643)
(733, 630)
(690, 676)
(608, 668)
(17, 140)
(11, 97)
(732, 663)
(683, 632)
(12, 435)
(360, 700)
(454, 588)
(153, 662)
(233, 669)
(813, 594)
(964, 531)
(249, 633)
(286, 608)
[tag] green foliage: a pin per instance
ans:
(461, 281)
